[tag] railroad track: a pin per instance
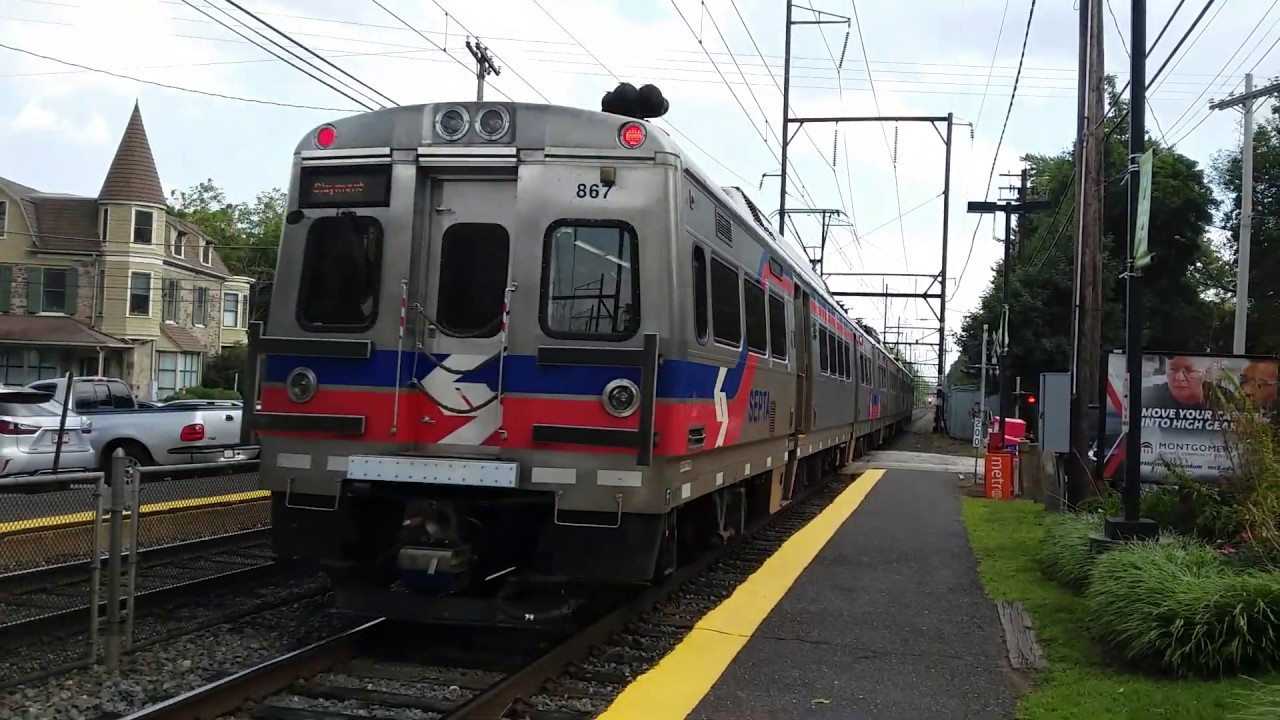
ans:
(378, 671)
(44, 599)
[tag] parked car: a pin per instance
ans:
(163, 435)
(29, 435)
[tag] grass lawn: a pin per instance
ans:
(1076, 685)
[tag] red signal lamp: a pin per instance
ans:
(325, 137)
(632, 135)
(1031, 399)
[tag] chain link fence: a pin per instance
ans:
(64, 537)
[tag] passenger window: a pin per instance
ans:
(777, 327)
(473, 279)
(844, 360)
(848, 362)
(835, 355)
(591, 281)
(824, 352)
(754, 306)
(341, 274)
(701, 318)
(726, 305)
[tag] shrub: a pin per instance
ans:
(203, 393)
(1064, 553)
(1176, 606)
(1261, 704)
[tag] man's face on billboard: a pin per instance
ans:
(1186, 381)
(1258, 381)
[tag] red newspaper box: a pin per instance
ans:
(998, 470)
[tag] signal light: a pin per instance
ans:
(325, 137)
(1031, 399)
(632, 135)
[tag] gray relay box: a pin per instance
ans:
(1055, 412)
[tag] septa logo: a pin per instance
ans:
(1148, 448)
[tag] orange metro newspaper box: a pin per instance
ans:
(998, 469)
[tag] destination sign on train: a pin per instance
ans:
(345, 187)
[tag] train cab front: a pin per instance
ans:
(456, 329)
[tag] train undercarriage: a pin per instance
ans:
(472, 556)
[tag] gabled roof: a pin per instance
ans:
(53, 330)
(132, 177)
(25, 204)
(191, 256)
(67, 223)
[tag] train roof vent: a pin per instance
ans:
(724, 229)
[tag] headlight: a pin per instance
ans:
(621, 398)
(452, 123)
(301, 385)
(492, 123)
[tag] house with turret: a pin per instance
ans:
(112, 285)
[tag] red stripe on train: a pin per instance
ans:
(421, 421)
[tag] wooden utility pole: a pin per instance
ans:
(1246, 201)
(484, 66)
(1087, 324)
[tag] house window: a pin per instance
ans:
(176, 371)
(172, 296)
(51, 290)
(4, 216)
(200, 306)
(206, 253)
(22, 367)
(231, 309)
(143, 226)
(104, 219)
(179, 244)
(140, 294)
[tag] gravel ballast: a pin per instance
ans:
(175, 666)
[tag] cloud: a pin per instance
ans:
(940, 65)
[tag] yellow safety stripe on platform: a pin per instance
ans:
(675, 686)
(85, 517)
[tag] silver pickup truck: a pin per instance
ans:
(164, 435)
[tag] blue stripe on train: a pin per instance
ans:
(677, 379)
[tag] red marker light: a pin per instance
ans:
(632, 135)
(325, 137)
(1031, 399)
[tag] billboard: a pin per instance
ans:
(1180, 426)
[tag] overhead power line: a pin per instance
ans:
(313, 53)
(363, 103)
(173, 87)
(1013, 94)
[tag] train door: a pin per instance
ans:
(463, 303)
(804, 371)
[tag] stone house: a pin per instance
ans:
(112, 285)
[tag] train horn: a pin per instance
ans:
(643, 104)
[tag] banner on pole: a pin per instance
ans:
(1141, 249)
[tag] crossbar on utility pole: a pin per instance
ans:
(1245, 99)
(484, 66)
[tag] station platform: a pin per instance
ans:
(872, 610)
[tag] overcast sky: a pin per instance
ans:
(923, 57)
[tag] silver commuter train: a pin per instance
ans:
(518, 336)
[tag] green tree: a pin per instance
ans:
(1182, 286)
(1264, 256)
(247, 234)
